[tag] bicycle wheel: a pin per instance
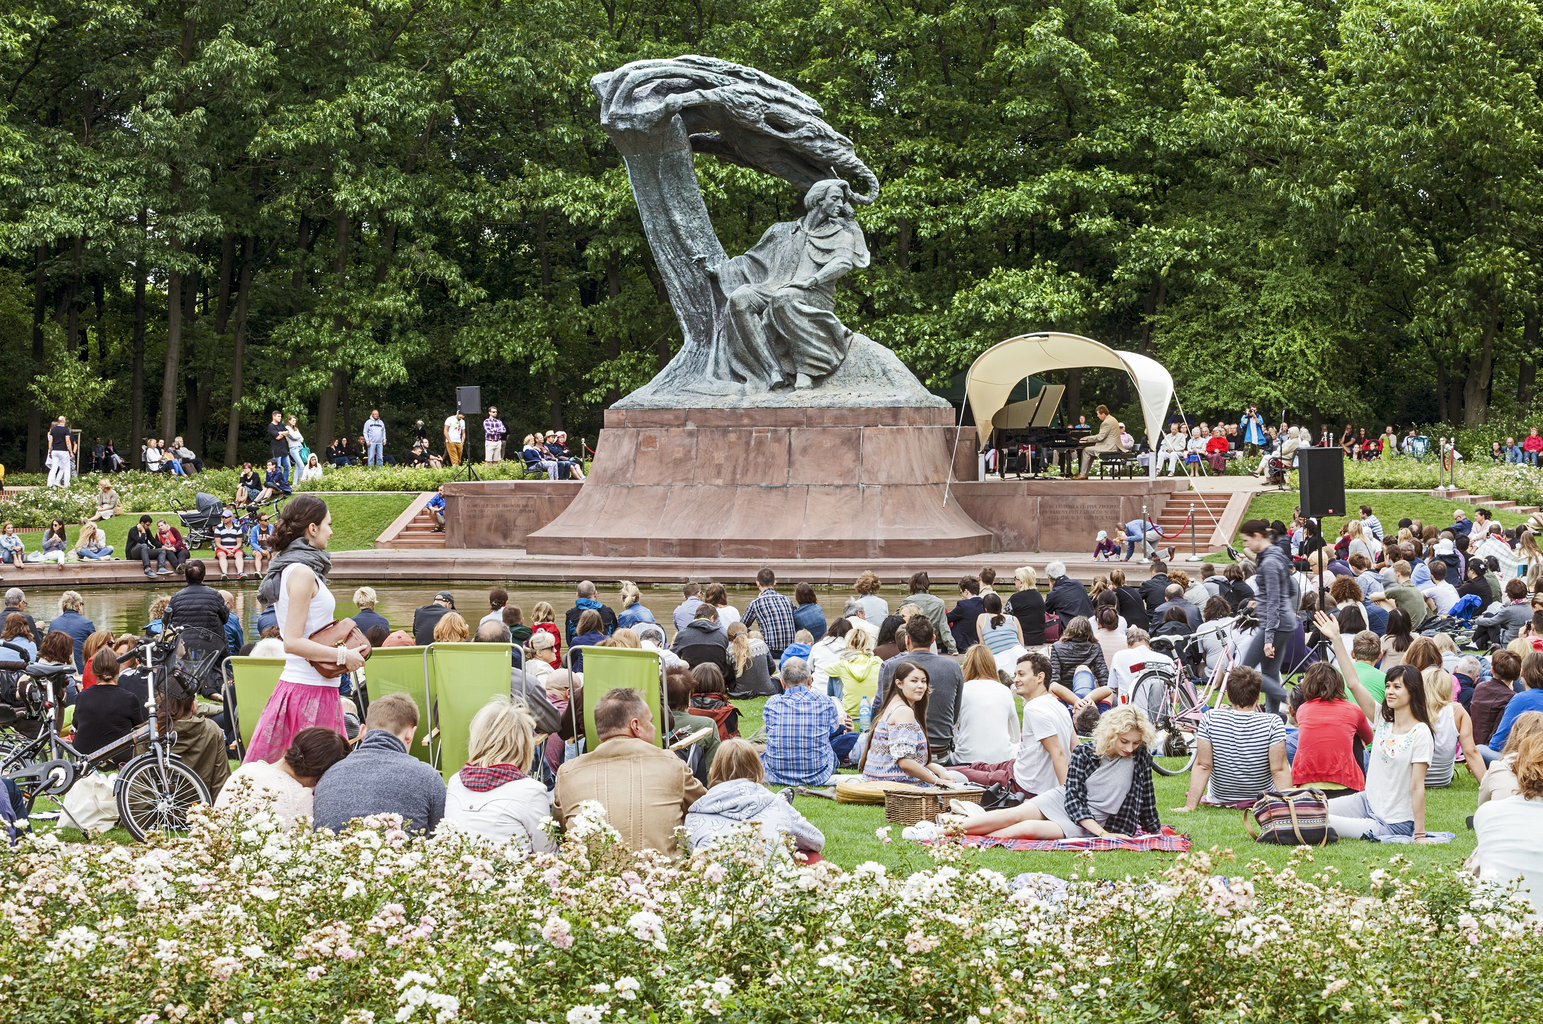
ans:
(1180, 718)
(155, 795)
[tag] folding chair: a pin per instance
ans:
(405, 670)
(464, 677)
(249, 682)
(606, 668)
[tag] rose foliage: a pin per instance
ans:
(246, 920)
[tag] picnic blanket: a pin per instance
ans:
(1167, 841)
(1430, 837)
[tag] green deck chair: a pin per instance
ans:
(252, 681)
(606, 668)
(465, 677)
(404, 670)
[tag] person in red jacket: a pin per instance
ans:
(1532, 446)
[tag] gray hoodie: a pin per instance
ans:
(730, 804)
(379, 777)
(1274, 579)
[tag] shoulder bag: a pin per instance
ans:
(339, 633)
(1291, 817)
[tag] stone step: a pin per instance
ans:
(1496, 504)
(1455, 495)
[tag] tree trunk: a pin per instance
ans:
(903, 243)
(327, 411)
(1527, 373)
(243, 296)
(227, 262)
(137, 388)
(613, 291)
(168, 427)
(1441, 390)
(1475, 390)
(554, 397)
(99, 298)
(34, 460)
(1072, 400)
(195, 428)
(72, 307)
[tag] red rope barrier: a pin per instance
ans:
(1176, 533)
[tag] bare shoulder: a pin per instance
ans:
(901, 714)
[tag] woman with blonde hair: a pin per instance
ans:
(737, 797)
(855, 672)
(1108, 790)
(1027, 605)
(1358, 541)
(91, 542)
(632, 610)
(544, 620)
(451, 629)
(1451, 727)
(625, 637)
(750, 660)
(493, 795)
(1506, 832)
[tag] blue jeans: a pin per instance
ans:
(378, 454)
(1083, 681)
(285, 466)
(106, 552)
(1490, 755)
(1291, 745)
(1532, 458)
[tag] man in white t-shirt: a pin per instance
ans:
(455, 433)
(1046, 742)
(1128, 665)
(1440, 595)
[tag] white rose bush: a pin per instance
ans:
(246, 920)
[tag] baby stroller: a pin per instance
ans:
(199, 523)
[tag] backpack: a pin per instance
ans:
(1291, 817)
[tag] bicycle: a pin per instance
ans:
(154, 790)
(1167, 693)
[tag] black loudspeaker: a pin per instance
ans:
(468, 401)
(1322, 475)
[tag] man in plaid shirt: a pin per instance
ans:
(799, 726)
(773, 613)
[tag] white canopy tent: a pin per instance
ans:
(992, 377)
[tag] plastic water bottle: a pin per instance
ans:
(864, 715)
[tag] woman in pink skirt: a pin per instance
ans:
(297, 581)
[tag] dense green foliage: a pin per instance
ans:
(212, 208)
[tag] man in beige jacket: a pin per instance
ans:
(1106, 440)
(645, 791)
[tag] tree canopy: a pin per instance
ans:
(215, 208)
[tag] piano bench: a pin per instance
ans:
(1121, 464)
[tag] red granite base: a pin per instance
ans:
(794, 483)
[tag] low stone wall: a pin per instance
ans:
(1060, 515)
(502, 513)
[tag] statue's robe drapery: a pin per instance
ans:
(775, 331)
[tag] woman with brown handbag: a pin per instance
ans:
(307, 691)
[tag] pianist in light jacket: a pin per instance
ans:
(1106, 440)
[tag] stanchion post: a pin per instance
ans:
(1194, 553)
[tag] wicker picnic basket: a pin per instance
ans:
(907, 807)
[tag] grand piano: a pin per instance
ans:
(1024, 439)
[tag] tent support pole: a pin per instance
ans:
(954, 452)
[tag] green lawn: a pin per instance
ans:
(1388, 506)
(357, 519)
(850, 835)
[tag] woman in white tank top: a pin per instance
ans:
(297, 581)
(1453, 731)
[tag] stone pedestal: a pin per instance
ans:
(1062, 515)
(769, 483)
(502, 513)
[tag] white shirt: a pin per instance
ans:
(1043, 717)
(1129, 664)
(493, 616)
(822, 655)
(1444, 594)
(1392, 758)
(514, 810)
(455, 429)
(727, 616)
(1506, 844)
(986, 728)
(317, 614)
(871, 628)
(258, 785)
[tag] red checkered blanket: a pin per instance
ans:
(1167, 841)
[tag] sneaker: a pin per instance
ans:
(150, 573)
(224, 576)
(163, 572)
(788, 794)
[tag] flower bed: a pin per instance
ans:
(247, 921)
